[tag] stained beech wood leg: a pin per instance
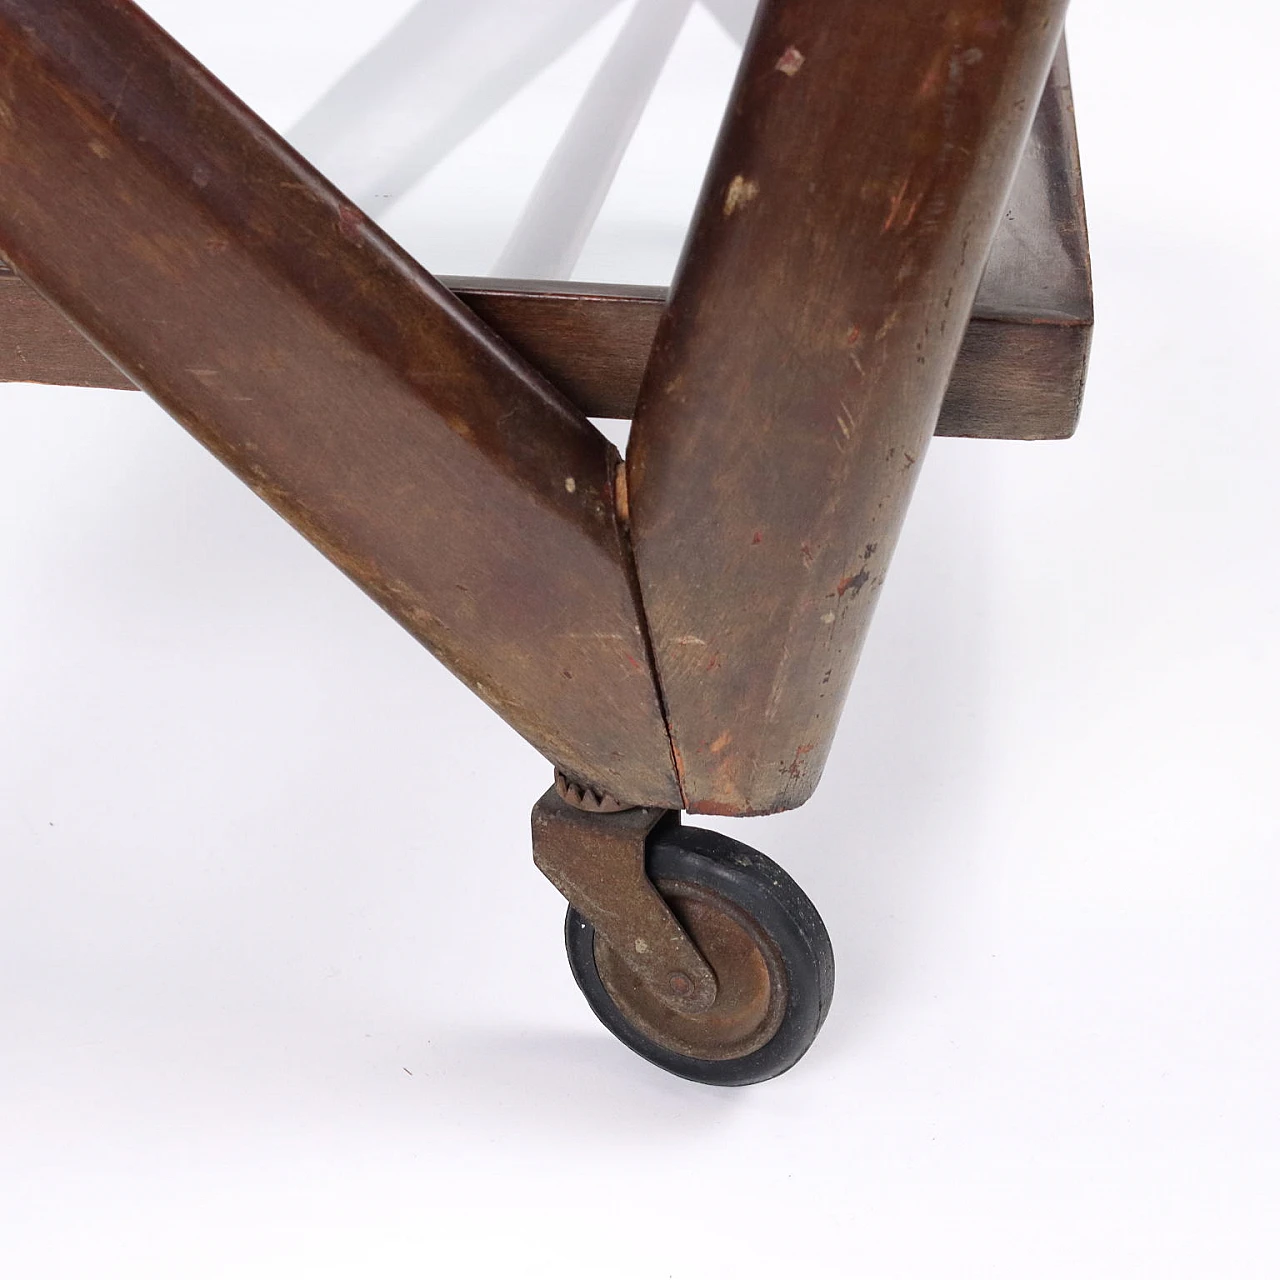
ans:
(800, 367)
(347, 387)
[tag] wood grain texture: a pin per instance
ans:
(347, 387)
(39, 344)
(835, 256)
(1041, 383)
(592, 341)
(1014, 379)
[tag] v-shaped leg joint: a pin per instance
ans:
(340, 381)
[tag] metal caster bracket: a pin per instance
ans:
(597, 860)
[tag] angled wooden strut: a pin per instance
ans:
(800, 368)
(1018, 376)
(347, 387)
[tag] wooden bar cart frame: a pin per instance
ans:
(890, 243)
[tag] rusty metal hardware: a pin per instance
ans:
(753, 992)
(597, 860)
(586, 798)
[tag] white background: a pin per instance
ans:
(281, 993)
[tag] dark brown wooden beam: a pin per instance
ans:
(1018, 375)
(590, 340)
(1015, 379)
(800, 368)
(348, 388)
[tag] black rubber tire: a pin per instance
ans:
(777, 905)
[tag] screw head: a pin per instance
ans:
(680, 983)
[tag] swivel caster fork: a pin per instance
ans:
(699, 953)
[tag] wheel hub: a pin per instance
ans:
(752, 985)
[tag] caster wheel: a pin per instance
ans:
(762, 937)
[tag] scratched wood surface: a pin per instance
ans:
(801, 365)
(347, 387)
(1018, 375)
